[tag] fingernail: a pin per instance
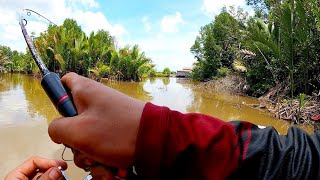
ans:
(54, 173)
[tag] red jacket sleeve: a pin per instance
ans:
(172, 145)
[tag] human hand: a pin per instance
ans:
(106, 128)
(102, 172)
(39, 169)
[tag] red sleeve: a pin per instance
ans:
(172, 145)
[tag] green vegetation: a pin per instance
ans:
(3, 61)
(278, 45)
(165, 73)
(67, 48)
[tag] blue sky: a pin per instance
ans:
(164, 29)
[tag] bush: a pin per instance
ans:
(160, 74)
(166, 71)
(222, 72)
(152, 73)
(103, 71)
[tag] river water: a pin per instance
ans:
(26, 111)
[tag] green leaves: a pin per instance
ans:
(217, 45)
(166, 71)
(67, 48)
(284, 40)
(292, 37)
(60, 59)
(3, 61)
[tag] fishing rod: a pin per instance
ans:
(50, 82)
(53, 87)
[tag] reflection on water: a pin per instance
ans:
(26, 110)
(133, 89)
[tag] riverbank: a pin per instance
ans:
(302, 110)
(231, 84)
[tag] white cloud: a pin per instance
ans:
(213, 7)
(146, 24)
(93, 21)
(84, 3)
(83, 11)
(168, 50)
(170, 23)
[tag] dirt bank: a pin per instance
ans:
(302, 110)
(231, 84)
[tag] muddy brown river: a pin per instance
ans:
(26, 111)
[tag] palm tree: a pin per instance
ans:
(289, 37)
(132, 63)
(67, 48)
(51, 47)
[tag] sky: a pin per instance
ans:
(164, 29)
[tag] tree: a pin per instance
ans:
(288, 43)
(67, 48)
(133, 64)
(261, 7)
(3, 61)
(216, 46)
(101, 46)
(166, 72)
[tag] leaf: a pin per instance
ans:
(50, 53)
(60, 59)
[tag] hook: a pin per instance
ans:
(62, 155)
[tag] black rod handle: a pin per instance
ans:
(52, 85)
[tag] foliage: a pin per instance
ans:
(279, 44)
(67, 48)
(3, 61)
(166, 71)
(101, 70)
(216, 46)
(161, 74)
(152, 73)
(130, 64)
(222, 72)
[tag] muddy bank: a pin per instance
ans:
(298, 111)
(231, 84)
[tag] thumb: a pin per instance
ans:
(61, 130)
(52, 174)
